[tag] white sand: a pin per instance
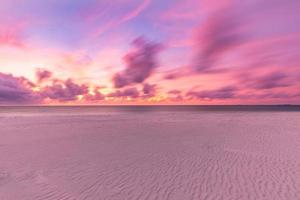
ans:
(151, 155)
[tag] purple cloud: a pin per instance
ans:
(175, 92)
(221, 93)
(220, 33)
(273, 80)
(172, 76)
(64, 90)
(16, 90)
(128, 92)
(268, 81)
(149, 90)
(97, 96)
(140, 63)
(178, 73)
(42, 75)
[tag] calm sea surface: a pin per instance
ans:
(78, 110)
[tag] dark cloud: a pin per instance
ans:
(140, 63)
(21, 90)
(64, 90)
(221, 93)
(42, 75)
(149, 90)
(128, 92)
(16, 90)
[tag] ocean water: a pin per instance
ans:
(150, 152)
(64, 110)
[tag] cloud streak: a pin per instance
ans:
(227, 92)
(270, 81)
(219, 34)
(114, 22)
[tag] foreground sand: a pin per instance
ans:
(151, 155)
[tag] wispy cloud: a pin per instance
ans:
(114, 22)
(227, 92)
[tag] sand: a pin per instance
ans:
(150, 156)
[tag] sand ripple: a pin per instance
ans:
(176, 156)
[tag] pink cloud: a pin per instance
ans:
(149, 90)
(183, 11)
(227, 92)
(175, 95)
(127, 92)
(64, 90)
(16, 90)
(269, 81)
(42, 75)
(140, 63)
(96, 96)
(221, 33)
(11, 34)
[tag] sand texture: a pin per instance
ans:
(151, 156)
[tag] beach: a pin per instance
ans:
(149, 154)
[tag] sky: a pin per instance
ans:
(149, 52)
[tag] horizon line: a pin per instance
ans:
(139, 105)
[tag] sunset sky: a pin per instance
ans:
(149, 52)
